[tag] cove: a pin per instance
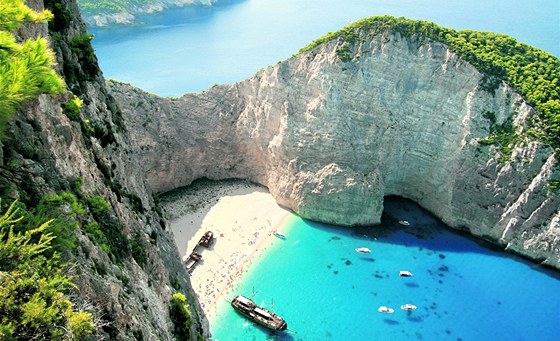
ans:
(464, 290)
(190, 49)
(317, 282)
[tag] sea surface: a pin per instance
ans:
(192, 48)
(325, 290)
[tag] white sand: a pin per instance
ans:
(242, 217)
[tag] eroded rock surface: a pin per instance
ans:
(331, 137)
(126, 286)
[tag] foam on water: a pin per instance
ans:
(327, 291)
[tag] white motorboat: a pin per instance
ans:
(408, 306)
(386, 310)
(279, 234)
(404, 222)
(404, 273)
(363, 250)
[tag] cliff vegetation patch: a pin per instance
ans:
(25, 67)
(502, 135)
(180, 314)
(33, 300)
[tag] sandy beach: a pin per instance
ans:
(242, 217)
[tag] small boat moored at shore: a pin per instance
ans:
(266, 318)
(363, 250)
(408, 306)
(191, 261)
(404, 273)
(195, 256)
(404, 222)
(386, 310)
(279, 234)
(207, 239)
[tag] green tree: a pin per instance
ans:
(26, 67)
(33, 304)
(181, 316)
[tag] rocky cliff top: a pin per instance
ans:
(531, 72)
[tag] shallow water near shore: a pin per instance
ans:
(327, 291)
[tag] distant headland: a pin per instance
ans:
(100, 13)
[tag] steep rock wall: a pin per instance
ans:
(331, 135)
(44, 151)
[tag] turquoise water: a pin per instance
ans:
(190, 49)
(324, 289)
(327, 291)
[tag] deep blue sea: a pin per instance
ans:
(191, 49)
(324, 289)
(327, 291)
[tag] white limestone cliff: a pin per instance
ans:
(330, 138)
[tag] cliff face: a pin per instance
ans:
(44, 151)
(128, 16)
(330, 136)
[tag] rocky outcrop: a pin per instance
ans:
(330, 135)
(130, 15)
(89, 154)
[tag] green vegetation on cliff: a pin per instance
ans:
(180, 314)
(532, 72)
(25, 67)
(33, 303)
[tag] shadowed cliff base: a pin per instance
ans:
(427, 229)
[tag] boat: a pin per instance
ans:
(191, 261)
(206, 239)
(266, 318)
(386, 310)
(279, 234)
(404, 222)
(408, 306)
(363, 250)
(404, 273)
(195, 256)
